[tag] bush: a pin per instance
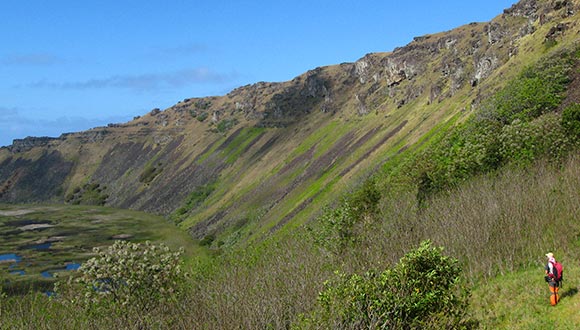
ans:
(336, 228)
(524, 142)
(422, 291)
(365, 200)
(126, 277)
(193, 200)
(202, 116)
(571, 120)
(226, 124)
(88, 194)
(467, 150)
(150, 172)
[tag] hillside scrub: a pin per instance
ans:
(422, 290)
(493, 224)
(571, 120)
(89, 194)
(518, 125)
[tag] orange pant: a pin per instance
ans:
(554, 296)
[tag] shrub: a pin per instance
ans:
(150, 172)
(193, 201)
(571, 120)
(226, 124)
(88, 194)
(365, 200)
(127, 277)
(335, 230)
(202, 116)
(207, 240)
(524, 142)
(469, 149)
(422, 291)
(202, 104)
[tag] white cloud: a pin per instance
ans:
(144, 82)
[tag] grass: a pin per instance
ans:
(322, 138)
(520, 300)
(240, 143)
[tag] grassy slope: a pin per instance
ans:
(520, 300)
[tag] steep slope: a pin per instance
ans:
(269, 155)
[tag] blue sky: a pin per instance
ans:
(67, 66)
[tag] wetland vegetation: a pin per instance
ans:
(43, 242)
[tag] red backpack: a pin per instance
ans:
(558, 271)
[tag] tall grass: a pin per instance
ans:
(494, 223)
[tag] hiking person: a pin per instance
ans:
(554, 272)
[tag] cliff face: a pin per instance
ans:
(270, 153)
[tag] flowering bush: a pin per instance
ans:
(131, 275)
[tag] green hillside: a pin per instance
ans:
(271, 155)
(310, 201)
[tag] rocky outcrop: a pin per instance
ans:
(524, 8)
(293, 100)
(557, 31)
(28, 143)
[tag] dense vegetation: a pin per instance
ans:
(518, 125)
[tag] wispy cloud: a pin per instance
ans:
(38, 59)
(144, 82)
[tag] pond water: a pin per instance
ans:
(46, 274)
(10, 257)
(42, 246)
(73, 266)
(16, 269)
